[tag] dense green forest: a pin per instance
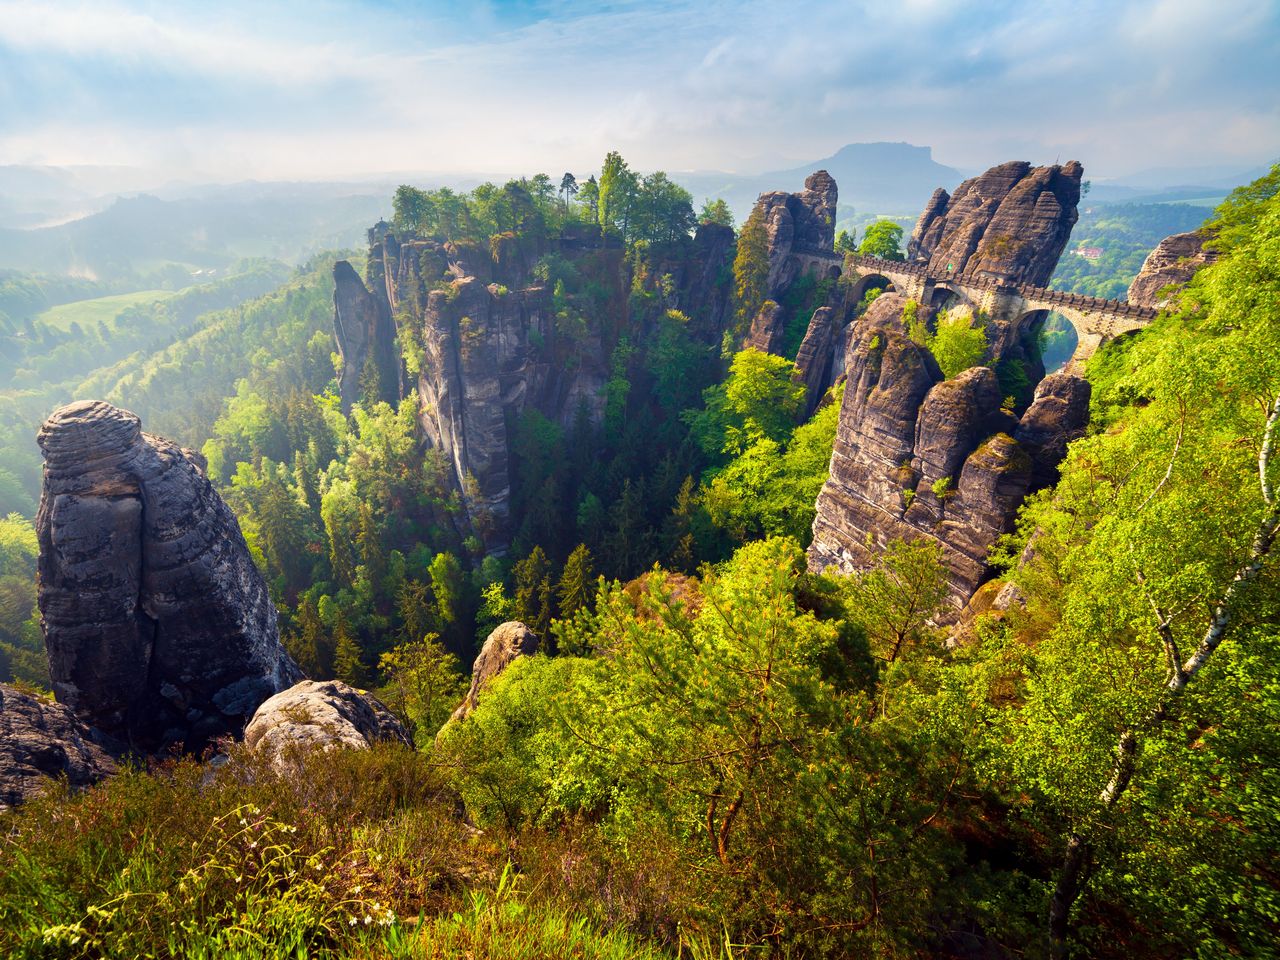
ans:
(1124, 233)
(716, 753)
(51, 353)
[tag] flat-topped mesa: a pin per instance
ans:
(158, 626)
(796, 224)
(920, 456)
(1168, 267)
(1009, 224)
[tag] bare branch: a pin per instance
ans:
(1177, 445)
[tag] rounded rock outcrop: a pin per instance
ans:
(42, 740)
(324, 715)
(506, 644)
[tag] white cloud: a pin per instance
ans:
(337, 86)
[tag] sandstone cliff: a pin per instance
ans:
(489, 340)
(159, 628)
(1010, 223)
(917, 455)
(796, 224)
(1169, 266)
(366, 339)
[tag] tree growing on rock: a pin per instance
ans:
(882, 239)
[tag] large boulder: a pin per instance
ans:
(1168, 267)
(1009, 224)
(324, 715)
(40, 739)
(159, 628)
(506, 644)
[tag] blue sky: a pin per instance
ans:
(325, 88)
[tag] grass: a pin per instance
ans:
(349, 854)
(100, 309)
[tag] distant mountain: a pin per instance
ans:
(893, 179)
(881, 177)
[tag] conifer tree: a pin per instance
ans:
(347, 663)
(750, 270)
(577, 581)
(534, 592)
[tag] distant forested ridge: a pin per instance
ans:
(1118, 237)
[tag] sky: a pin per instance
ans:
(311, 89)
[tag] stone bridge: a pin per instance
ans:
(1095, 320)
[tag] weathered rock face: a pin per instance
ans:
(366, 338)
(1011, 223)
(1170, 264)
(916, 455)
(702, 283)
(40, 739)
(159, 628)
(1057, 416)
(508, 642)
(767, 329)
(798, 223)
(490, 345)
(817, 356)
(324, 715)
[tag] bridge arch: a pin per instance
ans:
(868, 280)
(948, 296)
(1057, 337)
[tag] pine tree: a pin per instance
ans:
(577, 581)
(750, 270)
(534, 592)
(347, 663)
(307, 642)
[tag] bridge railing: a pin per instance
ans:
(1078, 301)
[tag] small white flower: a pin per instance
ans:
(367, 919)
(253, 845)
(353, 921)
(358, 887)
(244, 822)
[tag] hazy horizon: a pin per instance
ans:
(362, 90)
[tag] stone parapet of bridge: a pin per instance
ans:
(1095, 319)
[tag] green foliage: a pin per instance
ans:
(716, 211)
(846, 242)
(577, 585)
(750, 271)
(351, 853)
(759, 400)
(882, 239)
(957, 343)
(423, 684)
(771, 488)
(718, 722)
(22, 654)
(1135, 554)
